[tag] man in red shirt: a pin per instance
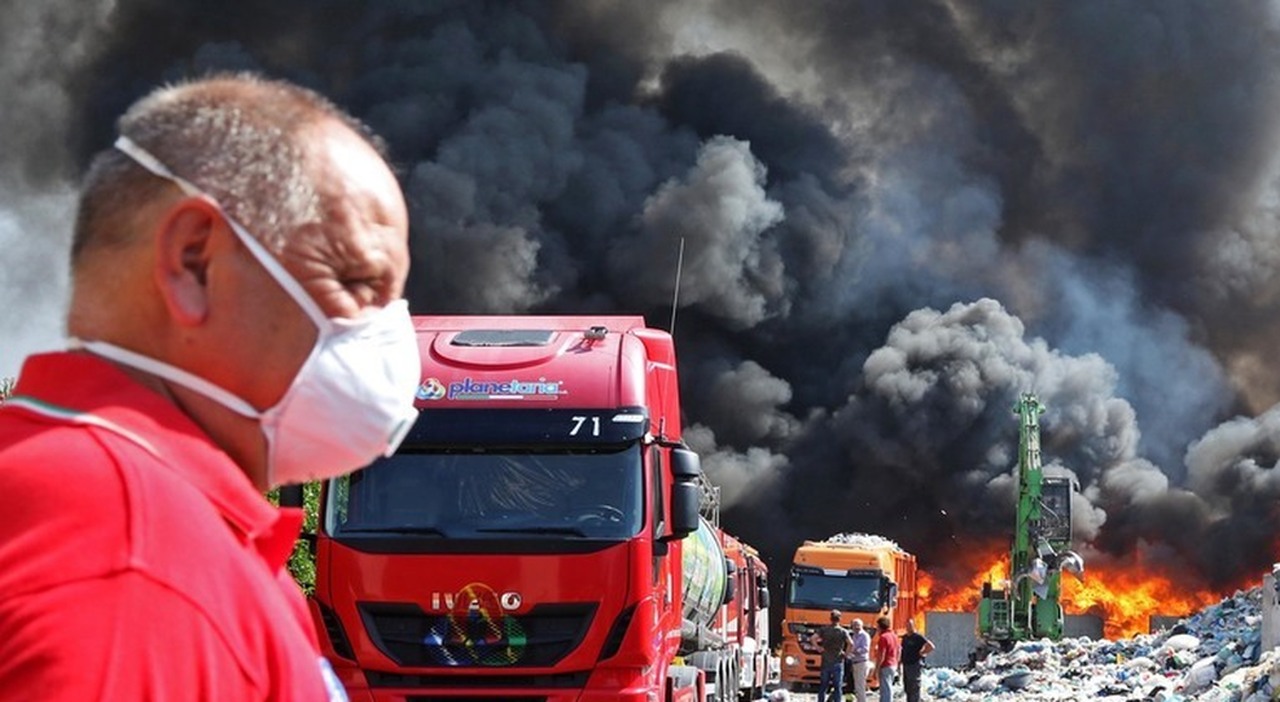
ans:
(237, 265)
(888, 649)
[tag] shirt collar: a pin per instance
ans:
(82, 383)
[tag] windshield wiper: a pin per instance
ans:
(808, 604)
(421, 530)
(567, 530)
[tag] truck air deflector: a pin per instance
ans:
(337, 635)
(613, 642)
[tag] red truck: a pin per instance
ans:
(539, 536)
(745, 618)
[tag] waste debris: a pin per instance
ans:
(1211, 656)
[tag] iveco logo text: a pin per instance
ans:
(510, 601)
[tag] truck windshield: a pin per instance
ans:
(570, 493)
(848, 593)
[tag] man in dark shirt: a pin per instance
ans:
(915, 647)
(835, 642)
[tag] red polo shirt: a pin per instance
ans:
(888, 648)
(137, 561)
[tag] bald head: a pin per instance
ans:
(242, 139)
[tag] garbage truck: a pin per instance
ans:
(863, 576)
(542, 534)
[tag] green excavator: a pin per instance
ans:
(1027, 605)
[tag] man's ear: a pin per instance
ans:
(184, 249)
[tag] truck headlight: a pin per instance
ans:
(789, 660)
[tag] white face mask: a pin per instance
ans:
(351, 401)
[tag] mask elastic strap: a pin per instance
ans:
(291, 286)
(125, 145)
(188, 380)
(277, 271)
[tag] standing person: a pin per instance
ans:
(915, 648)
(859, 660)
(888, 651)
(835, 643)
(238, 263)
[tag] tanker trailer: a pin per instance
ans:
(707, 589)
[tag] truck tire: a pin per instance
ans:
(732, 680)
(752, 691)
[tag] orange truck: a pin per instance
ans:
(864, 576)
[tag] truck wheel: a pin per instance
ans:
(752, 691)
(726, 681)
(730, 685)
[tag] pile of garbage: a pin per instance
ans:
(1214, 655)
(863, 540)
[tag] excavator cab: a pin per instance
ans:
(1055, 510)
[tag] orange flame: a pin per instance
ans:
(1126, 600)
(1123, 594)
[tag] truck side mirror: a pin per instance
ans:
(890, 591)
(730, 582)
(686, 493)
(762, 589)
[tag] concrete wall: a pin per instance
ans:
(1270, 613)
(1087, 625)
(955, 635)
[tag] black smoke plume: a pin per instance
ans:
(896, 217)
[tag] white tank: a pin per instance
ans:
(705, 577)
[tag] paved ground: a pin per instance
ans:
(872, 696)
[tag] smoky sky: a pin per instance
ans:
(894, 218)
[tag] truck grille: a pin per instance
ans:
(556, 681)
(412, 638)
